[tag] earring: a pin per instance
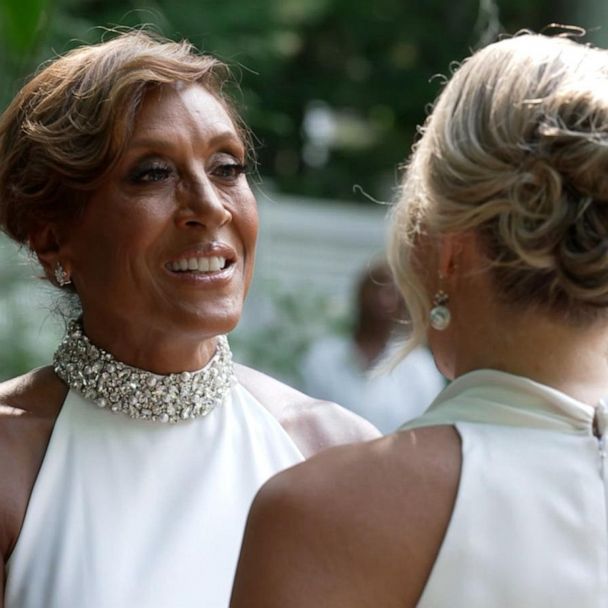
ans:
(440, 315)
(62, 276)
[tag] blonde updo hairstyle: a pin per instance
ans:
(68, 126)
(516, 150)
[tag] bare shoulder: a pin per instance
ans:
(314, 425)
(29, 406)
(38, 393)
(364, 521)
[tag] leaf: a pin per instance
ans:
(21, 21)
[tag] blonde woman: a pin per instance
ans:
(497, 496)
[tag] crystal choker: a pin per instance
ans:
(140, 394)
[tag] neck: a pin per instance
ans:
(139, 394)
(485, 333)
(165, 350)
(571, 359)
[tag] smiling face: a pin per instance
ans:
(163, 253)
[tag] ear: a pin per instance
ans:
(461, 256)
(451, 247)
(45, 243)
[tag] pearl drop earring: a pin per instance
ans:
(440, 315)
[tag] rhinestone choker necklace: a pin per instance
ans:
(140, 394)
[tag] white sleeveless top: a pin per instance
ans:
(132, 514)
(529, 527)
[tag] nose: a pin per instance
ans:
(201, 205)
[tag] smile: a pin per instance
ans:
(199, 264)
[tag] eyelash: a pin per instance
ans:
(152, 172)
(235, 170)
(159, 171)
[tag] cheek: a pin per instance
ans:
(250, 248)
(246, 221)
(111, 243)
(250, 229)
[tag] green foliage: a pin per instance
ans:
(22, 26)
(27, 331)
(371, 64)
(278, 345)
(21, 22)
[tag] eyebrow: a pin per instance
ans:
(162, 142)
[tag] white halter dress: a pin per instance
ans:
(529, 528)
(133, 514)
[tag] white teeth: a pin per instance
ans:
(212, 264)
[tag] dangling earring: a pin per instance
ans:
(62, 276)
(440, 315)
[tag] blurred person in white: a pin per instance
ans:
(347, 368)
(497, 496)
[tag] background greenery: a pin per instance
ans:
(369, 63)
(368, 68)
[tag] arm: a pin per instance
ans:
(293, 556)
(28, 408)
(12, 497)
(358, 526)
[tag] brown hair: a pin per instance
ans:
(516, 149)
(69, 124)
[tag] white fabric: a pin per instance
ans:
(529, 527)
(128, 513)
(332, 370)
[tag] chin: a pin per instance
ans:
(211, 323)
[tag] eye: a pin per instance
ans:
(151, 171)
(228, 168)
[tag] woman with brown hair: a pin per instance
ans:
(497, 496)
(127, 468)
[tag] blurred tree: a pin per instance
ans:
(593, 15)
(333, 89)
(22, 27)
(371, 64)
(22, 22)
(28, 330)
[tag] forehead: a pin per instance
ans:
(182, 109)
